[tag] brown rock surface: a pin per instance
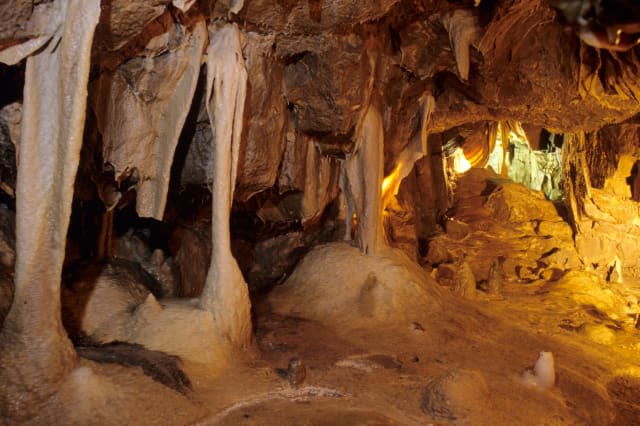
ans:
(506, 219)
(326, 102)
(264, 135)
(122, 20)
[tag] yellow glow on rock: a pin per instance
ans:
(391, 184)
(460, 162)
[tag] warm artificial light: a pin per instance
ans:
(460, 162)
(391, 184)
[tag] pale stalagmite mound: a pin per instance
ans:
(338, 285)
(112, 304)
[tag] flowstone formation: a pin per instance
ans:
(359, 291)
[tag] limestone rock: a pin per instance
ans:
(425, 49)
(191, 248)
(27, 27)
(10, 133)
(457, 229)
(7, 259)
(263, 139)
(325, 102)
(445, 274)
(505, 219)
(7, 238)
(196, 155)
(6, 293)
(293, 17)
(512, 202)
(438, 252)
(15, 15)
(588, 289)
(274, 258)
(135, 247)
(455, 396)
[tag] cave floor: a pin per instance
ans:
(463, 368)
(462, 363)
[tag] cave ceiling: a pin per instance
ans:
(538, 62)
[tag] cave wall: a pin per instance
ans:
(307, 73)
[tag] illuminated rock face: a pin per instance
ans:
(492, 218)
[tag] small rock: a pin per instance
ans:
(496, 276)
(455, 395)
(295, 373)
(465, 284)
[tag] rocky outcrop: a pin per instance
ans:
(491, 218)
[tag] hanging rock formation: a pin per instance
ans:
(142, 106)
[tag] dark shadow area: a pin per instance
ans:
(159, 366)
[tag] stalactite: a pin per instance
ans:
(35, 353)
(362, 172)
(225, 292)
(142, 108)
(464, 31)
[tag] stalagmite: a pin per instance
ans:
(35, 353)
(225, 292)
(142, 108)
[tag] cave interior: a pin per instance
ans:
(320, 212)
